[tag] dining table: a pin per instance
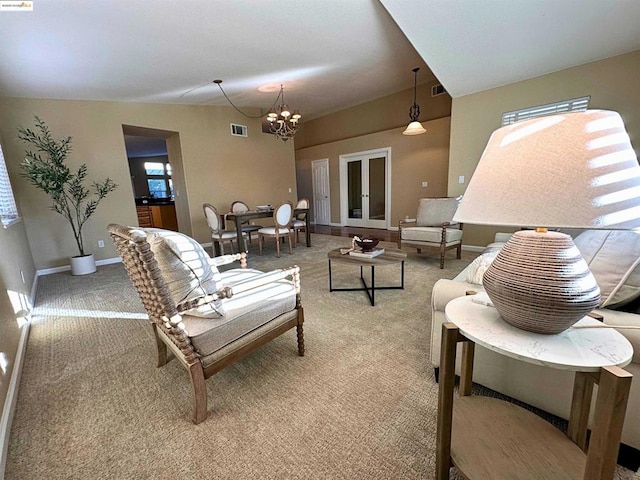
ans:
(239, 218)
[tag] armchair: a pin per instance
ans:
(207, 319)
(433, 227)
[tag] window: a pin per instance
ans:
(159, 179)
(154, 168)
(574, 105)
(157, 188)
(8, 209)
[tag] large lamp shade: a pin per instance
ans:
(573, 170)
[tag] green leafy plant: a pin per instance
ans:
(45, 168)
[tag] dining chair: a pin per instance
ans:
(219, 236)
(241, 207)
(282, 218)
(300, 221)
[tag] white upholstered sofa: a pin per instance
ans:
(546, 388)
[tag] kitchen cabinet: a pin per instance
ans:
(157, 216)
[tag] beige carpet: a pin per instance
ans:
(360, 405)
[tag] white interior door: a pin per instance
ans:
(365, 180)
(321, 196)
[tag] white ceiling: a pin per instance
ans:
(329, 54)
(475, 45)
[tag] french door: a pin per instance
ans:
(365, 179)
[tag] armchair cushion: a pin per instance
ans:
(431, 234)
(614, 259)
(188, 272)
(244, 312)
(436, 211)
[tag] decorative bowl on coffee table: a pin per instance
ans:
(367, 243)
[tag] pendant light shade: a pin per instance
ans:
(415, 127)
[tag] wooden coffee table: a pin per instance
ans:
(389, 257)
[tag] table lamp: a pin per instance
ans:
(570, 170)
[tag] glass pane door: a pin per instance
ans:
(354, 172)
(365, 190)
(377, 194)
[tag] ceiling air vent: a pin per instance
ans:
(238, 130)
(437, 90)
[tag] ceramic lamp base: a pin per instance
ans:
(539, 282)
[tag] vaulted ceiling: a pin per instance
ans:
(328, 54)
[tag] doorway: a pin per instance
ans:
(365, 188)
(157, 177)
(321, 194)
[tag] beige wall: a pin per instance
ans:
(15, 258)
(414, 159)
(613, 84)
(378, 115)
(216, 167)
(379, 124)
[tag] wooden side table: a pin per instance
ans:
(488, 438)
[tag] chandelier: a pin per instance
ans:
(415, 127)
(283, 123)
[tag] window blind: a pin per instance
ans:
(573, 105)
(8, 209)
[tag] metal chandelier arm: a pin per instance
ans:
(219, 83)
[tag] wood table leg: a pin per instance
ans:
(580, 406)
(611, 406)
(466, 372)
(242, 244)
(445, 399)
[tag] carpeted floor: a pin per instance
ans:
(361, 404)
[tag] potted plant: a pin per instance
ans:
(45, 168)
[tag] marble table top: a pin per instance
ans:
(575, 349)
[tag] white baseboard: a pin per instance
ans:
(66, 268)
(34, 290)
(12, 396)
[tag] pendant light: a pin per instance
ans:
(415, 127)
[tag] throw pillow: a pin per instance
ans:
(186, 269)
(614, 259)
(479, 266)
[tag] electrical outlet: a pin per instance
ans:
(290, 190)
(461, 179)
(100, 243)
(425, 184)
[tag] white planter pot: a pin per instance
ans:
(83, 265)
